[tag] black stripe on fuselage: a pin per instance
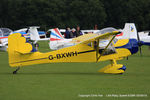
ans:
(48, 57)
(86, 51)
(30, 60)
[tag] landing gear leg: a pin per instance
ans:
(113, 68)
(15, 72)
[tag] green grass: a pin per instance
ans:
(68, 81)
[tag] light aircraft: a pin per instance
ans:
(26, 31)
(57, 41)
(87, 48)
(30, 33)
(4, 33)
(145, 37)
(129, 32)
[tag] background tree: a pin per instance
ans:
(17, 14)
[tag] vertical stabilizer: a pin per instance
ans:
(56, 35)
(34, 35)
(129, 31)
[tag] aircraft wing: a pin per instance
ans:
(92, 37)
(83, 38)
(97, 38)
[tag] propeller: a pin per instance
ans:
(27, 30)
(139, 43)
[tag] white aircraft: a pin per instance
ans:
(4, 33)
(145, 37)
(31, 33)
(57, 41)
(142, 37)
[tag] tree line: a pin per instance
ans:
(17, 14)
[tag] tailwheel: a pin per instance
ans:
(113, 68)
(15, 72)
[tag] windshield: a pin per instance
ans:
(1, 33)
(105, 30)
(5, 31)
(105, 47)
(102, 45)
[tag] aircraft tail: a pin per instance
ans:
(129, 31)
(34, 35)
(55, 38)
(56, 35)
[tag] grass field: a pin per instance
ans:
(76, 81)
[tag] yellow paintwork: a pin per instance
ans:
(20, 52)
(87, 38)
(120, 53)
(83, 38)
(112, 68)
(121, 42)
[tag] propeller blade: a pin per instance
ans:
(139, 43)
(97, 50)
(140, 50)
(138, 37)
(27, 30)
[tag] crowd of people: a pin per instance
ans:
(72, 33)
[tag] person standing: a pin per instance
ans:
(78, 31)
(67, 33)
(96, 27)
(73, 33)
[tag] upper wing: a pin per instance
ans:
(97, 38)
(92, 37)
(83, 38)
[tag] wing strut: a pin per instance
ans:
(97, 49)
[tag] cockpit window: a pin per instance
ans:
(110, 49)
(102, 45)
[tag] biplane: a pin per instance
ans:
(86, 48)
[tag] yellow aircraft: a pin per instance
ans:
(87, 48)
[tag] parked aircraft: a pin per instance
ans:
(31, 33)
(4, 33)
(87, 48)
(129, 32)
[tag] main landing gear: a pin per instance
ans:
(113, 68)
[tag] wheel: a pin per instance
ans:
(14, 72)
